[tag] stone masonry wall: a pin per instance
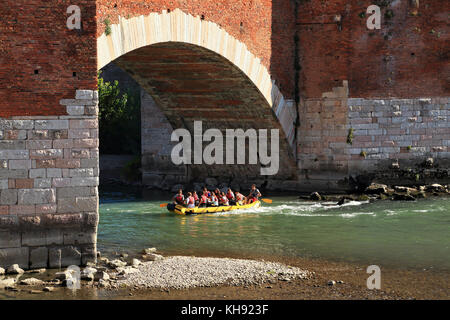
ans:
(398, 133)
(48, 186)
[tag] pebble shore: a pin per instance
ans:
(181, 272)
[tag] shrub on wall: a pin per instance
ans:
(119, 119)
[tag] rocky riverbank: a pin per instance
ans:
(377, 191)
(153, 271)
(156, 277)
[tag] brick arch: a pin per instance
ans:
(176, 26)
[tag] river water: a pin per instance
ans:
(412, 235)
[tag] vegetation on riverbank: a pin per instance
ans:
(119, 119)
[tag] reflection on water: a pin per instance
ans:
(400, 234)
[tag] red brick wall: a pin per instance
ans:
(34, 36)
(266, 27)
(407, 57)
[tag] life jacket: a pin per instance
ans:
(179, 198)
(191, 200)
(230, 195)
(195, 197)
(204, 199)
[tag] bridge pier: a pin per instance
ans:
(48, 186)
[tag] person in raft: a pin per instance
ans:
(203, 203)
(223, 200)
(196, 199)
(240, 199)
(178, 198)
(214, 202)
(230, 197)
(190, 201)
(254, 195)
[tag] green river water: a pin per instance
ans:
(397, 234)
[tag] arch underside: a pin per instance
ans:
(194, 71)
(190, 83)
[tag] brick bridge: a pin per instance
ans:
(349, 101)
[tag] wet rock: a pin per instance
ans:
(403, 197)
(136, 262)
(376, 188)
(152, 257)
(114, 264)
(149, 250)
(123, 255)
(8, 282)
(63, 275)
(428, 163)
(88, 273)
(31, 282)
(103, 283)
(101, 275)
(14, 269)
(126, 270)
(343, 200)
(435, 188)
(405, 190)
(42, 270)
(2, 271)
(331, 283)
(48, 289)
(35, 291)
(315, 196)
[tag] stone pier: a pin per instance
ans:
(48, 186)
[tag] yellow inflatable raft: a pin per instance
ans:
(178, 209)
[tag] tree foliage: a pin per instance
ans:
(119, 119)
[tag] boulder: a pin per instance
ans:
(31, 282)
(315, 196)
(14, 269)
(41, 270)
(152, 257)
(101, 275)
(136, 262)
(435, 188)
(149, 250)
(8, 282)
(126, 270)
(403, 197)
(88, 274)
(48, 289)
(376, 188)
(63, 275)
(116, 264)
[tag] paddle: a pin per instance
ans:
(162, 205)
(267, 200)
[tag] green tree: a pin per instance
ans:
(119, 119)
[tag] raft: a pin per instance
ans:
(181, 210)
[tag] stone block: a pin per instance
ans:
(70, 256)
(84, 94)
(8, 196)
(10, 256)
(75, 110)
(54, 258)
(38, 258)
(51, 124)
(10, 239)
(36, 196)
(42, 183)
(54, 237)
(34, 238)
(14, 154)
(73, 237)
